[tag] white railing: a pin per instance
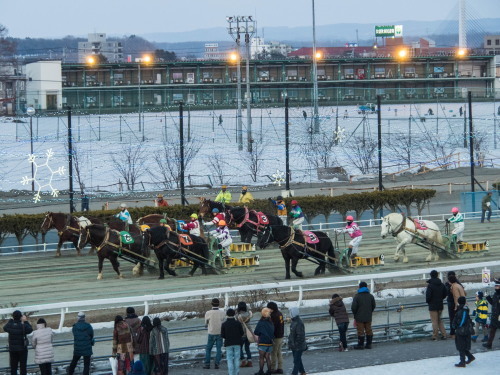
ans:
(299, 286)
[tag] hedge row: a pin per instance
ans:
(312, 206)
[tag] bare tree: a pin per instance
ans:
(7, 46)
(436, 149)
(402, 147)
(253, 160)
(217, 165)
(320, 151)
(130, 164)
(77, 167)
(363, 154)
(481, 139)
(168, 161)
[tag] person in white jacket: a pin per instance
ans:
(42, 340)
(225, 240)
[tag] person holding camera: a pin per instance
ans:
(17, 328)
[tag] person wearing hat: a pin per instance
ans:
(17, 328)
(163, 223)
(264, 330)
(297, 215)
(481, 316)
(245, 196)
(83, 335)
(217, 216)
(463, 336)
(494, 301)
(486, 206)
(280, 205)
(224, 237)
(124, 215)
(160, 202)
(356, 235)
(232, 333)
(213, 322)
(338, 311)
(434, 295)
(458, 224)
(193, 226)
(44, 349)
(362, 307)
(224, 195)
(297, 341)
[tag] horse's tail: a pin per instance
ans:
(331, 250)
(439, 237)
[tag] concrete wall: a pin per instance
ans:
(43, 78)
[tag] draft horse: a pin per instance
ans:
(168, 246)
(153, 220)
(109, 245)
(295, 246)
(406, 230)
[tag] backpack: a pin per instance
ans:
(466, 329)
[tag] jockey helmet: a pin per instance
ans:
(294, 203)
(123, 205)
(222, 223)
(194, 216)
(215, 210)
(159, 196)
(349, 218)
(280, 198)
(144, 227)
(163, 221)
(224, 187)
(454, 210)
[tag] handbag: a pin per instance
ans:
(26, 341)
(251, 337)
(466, 329)
(114, 365)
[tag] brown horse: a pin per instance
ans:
(68, 229)
(153, 220)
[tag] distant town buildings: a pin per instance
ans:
(97, 44)
(44, 85)
(261, 50)
(212, 52)
(492, 44)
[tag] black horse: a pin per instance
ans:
(167, 247)
(294, 247)
(109, 246)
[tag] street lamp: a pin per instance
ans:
(315, 75)
(145, 59)
(30, 111)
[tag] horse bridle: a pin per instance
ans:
(401, 228)
(51, 221)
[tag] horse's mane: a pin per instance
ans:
(158, 234)
(221, 207)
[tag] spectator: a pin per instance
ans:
(281, 207)
(461, 111)
(363, 305)
(481, 314)
(244, 316)
(494, 301)
(224, 195)
(245, 196)
(265, 331)
(463, 336)
(138, 368)
(304, 114)
(123, 347)
(160, 201)
(85, 202)
(17, 328)
(213, 322)
(486, 206)
(143, 335)
(338, 311)
(434, 296)
(456, 290)
(134, 323)
(279, 332)
(159, 346)
(83, 335)
(44, 350)
(232, 333)
(451, 301)
(297, 341)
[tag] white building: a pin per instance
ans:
(212, 52)
(259, 49)
(44, 85)
(97, 44)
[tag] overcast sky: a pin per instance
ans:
(58, 18)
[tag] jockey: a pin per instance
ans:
(224, 196)
(281, 206)
(224, 237)
(163, 223)
(160, 202)
(297, 215)
(124, 214)
(355, 233)
(193, 226)
(245, 196)
(458, 224)
(218, 216)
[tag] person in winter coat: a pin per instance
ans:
(279, 333)
(451, 301)
(193, 226)
(265, 331)
(134, 323)
(456, 290)
(458, 224)
(83, 335)
(494, 301)
(486, 207)
(159, 346)
(462, 341)
(143, 335)
(297, 215)
(338, 311)
(434, 295)
(17, 328)
(160, 201)
(224, 195)
(363, 305)
(245, 196)
(297, 341)
(232, 333)
(213, 321)
(42, 343)
(123, 347)
(481, 316)
(356, 235)
(243, 316)
(280, 205)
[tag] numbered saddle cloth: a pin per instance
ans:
(420, 224)
(262, 219)
(127, 238)
(310, 237)
(185, 240)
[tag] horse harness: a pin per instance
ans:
(179, 247)
(106, 242)
(68, 226)
(256, 226)
(291, 241)
(403, 227)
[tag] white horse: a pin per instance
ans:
(405, 232)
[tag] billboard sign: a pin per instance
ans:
(390, 31)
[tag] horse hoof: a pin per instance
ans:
(436, 258)
(287, 278)
(99, 277)
(120, 276)
(405, 260)
(429, 258)
(300, 275)
(58, 255)
(396, 259)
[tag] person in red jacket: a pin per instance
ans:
(160, 202)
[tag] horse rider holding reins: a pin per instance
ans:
(458, 224)
(297, 215)
(355, 233)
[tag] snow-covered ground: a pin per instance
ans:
(100, 138)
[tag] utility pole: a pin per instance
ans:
(379, 120)
(287, 148)
(70, 159)
(471, 149)
(181, 143)
(315, 75)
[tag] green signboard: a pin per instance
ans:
(389, 31)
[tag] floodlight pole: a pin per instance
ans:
(315, 75)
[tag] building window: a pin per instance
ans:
(497, 42)
(488, 42)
